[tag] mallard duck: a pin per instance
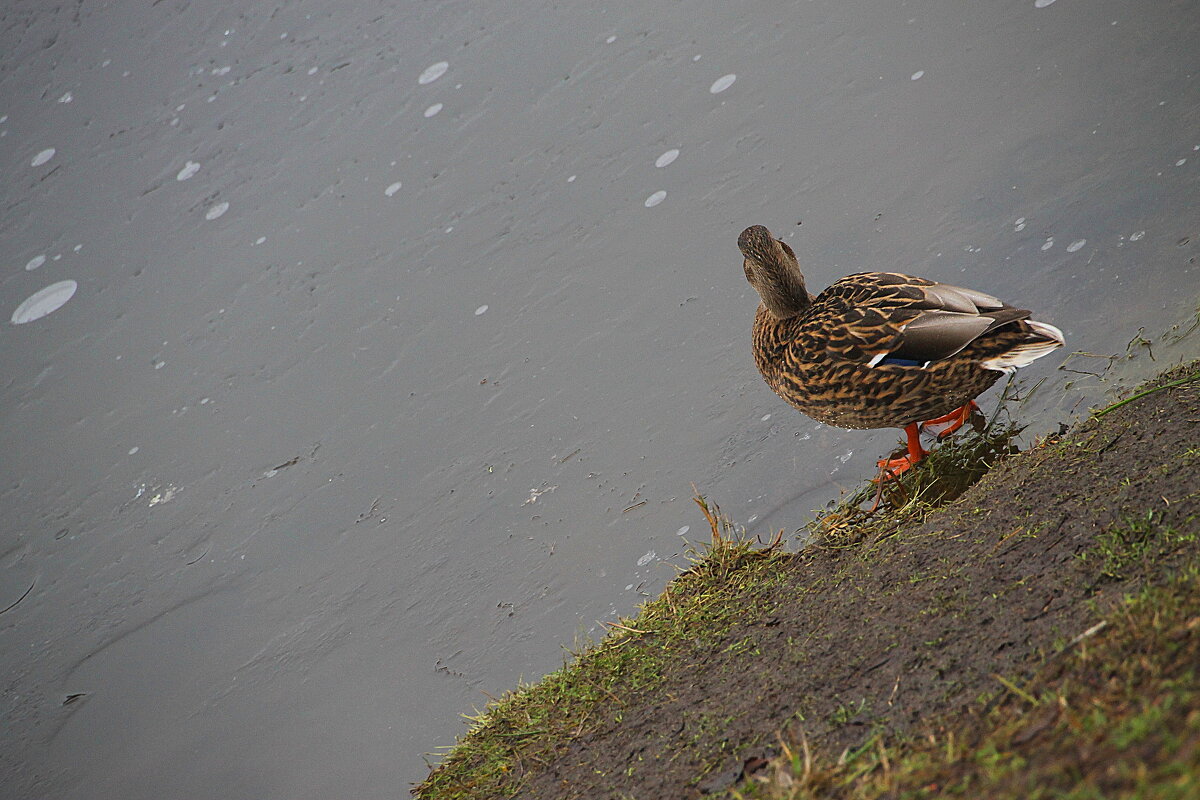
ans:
(882, 349)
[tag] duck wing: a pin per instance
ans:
(887, 317)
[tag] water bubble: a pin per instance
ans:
(391, 190)
(189, 169)
(133, 450)
(764, 418)
(481, 310)
(432, 110)
(1048, 244)
(217, 210)
(44, 302)
(655, 198)
(683, 530)
(646, 559)
(312, 70)
(722, 83)
(610, 40)
(571, 179)
(433, 72)
(667, 158)
(66, 98)
(1181, 162)
(1137, 237)
(34, 263)
(916, 76)
(1076, 245)
(43, 157)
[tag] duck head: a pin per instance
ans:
(772, 269)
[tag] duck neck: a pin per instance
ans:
(785, 296)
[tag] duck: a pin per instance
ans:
(882, 349)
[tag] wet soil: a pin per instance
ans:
(900, 628)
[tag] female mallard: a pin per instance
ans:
(882, 349)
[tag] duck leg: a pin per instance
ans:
(956, 418)
(896, 466)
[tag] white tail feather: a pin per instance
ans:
(1026, 353)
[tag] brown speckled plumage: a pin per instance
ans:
(825, 355)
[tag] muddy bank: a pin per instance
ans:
(880, 629)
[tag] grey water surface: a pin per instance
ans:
(400, 332)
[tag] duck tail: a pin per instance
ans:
(1042, 339)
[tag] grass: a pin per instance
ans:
(1116, 713)
(524, 728)
(1135, 543)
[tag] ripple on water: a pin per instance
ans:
(44, 302)
(667, 158)
(189, 169)
(433, 72)
(722, 83)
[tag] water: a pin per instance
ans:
(359, 413)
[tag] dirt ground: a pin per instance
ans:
(899, 629)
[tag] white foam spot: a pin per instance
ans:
(722, 83)
(34, 263)
(1042, 3)
(312, 70)
(133, 450)
(1181, 162)
(189, 169)
(666, 158)
(433, 72)
(43, 157)
(1137, 237)
(1049, 243)
(1019, 224)
(610, 40)
(683, 530)
(392, 189)
(481, 310)
(221, 70)
(916, 76)
(753, 518)
(4, 119)
(1075, 246)
(66, 98)
(571, 179)
(217, 210)
(44, 302)
(655, 198)
(646, 559)
(764, 418)
(77, 248)
(696, 57)
(260, 240)
(630, 586)
(432, 110)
